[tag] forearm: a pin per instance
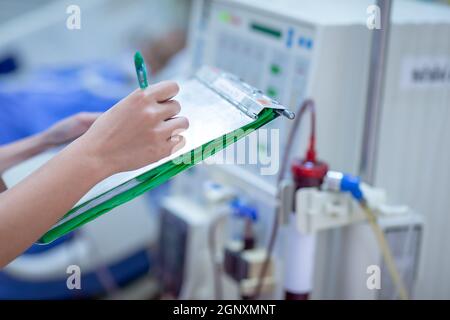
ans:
(21, 150)
(137, 131)
(29, 209)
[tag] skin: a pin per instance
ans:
(140, 129)
(62, 132)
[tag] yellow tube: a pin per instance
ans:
(386, 251)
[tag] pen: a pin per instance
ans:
(141, 70)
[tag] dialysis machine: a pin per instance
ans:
(296, 49)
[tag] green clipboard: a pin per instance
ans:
(218, 102)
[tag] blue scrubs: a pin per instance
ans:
(47, 96)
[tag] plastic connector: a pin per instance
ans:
(338, 181)
(351, 184)
(243, 210)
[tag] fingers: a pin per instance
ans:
(176, 143)
(174, 126)
(163, 91)
(168, 109)
(159, 92)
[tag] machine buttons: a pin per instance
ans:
(275, 69)
(305, 42)
(290, 37)
(272, 92)
(301, 41)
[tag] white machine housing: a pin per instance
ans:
(185, 261)
(294, 49)
(290, 49)
(318, 210)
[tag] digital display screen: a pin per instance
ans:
(266, 30)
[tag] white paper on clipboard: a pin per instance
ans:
(210, 116)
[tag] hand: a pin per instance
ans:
(69, 129)
(138, 130)
(62, 132)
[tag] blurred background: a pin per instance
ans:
(382, 101)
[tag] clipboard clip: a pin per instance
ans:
(247, 98)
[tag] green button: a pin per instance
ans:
(275, 69)
(224, 16)
(272, 92)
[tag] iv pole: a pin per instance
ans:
(378, 58)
